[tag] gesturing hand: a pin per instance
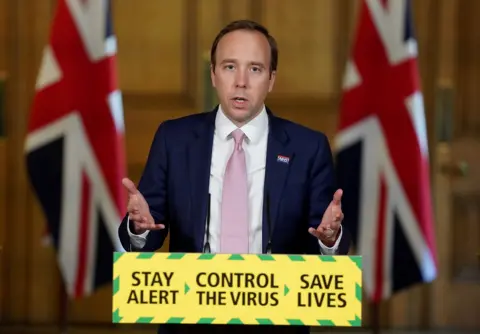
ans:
(327, 231)
(138, 210)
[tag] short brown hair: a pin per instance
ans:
(247, 25)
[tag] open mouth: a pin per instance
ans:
(239, 99)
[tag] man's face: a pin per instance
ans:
(242, 77)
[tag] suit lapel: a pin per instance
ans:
(199, 155)
(279, 159)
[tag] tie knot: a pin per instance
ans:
(238, 136)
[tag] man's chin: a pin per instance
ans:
(241, 116)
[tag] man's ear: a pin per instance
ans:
(212, 74)
(272, 80)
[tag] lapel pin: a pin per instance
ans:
(282, 158)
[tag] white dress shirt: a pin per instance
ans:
(255, 147)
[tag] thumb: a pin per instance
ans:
(337, 197)
(130, 186)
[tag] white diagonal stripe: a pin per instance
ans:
(416, 112)
(116, 109)
(376, 159)
(78, 157)
(352, 77)
(50, 72)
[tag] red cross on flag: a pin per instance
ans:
(74, 147)
(382, 152)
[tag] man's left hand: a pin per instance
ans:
(328, 230)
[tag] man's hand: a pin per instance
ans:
(327, 231)
(138, 210)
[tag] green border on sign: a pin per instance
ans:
(356, 322)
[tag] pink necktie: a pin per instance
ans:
(234, 210)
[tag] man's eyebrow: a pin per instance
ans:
(228, 60)
(231, 60)
(256, 63)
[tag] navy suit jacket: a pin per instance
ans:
(175, 183)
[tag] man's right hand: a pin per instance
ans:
(138, 210)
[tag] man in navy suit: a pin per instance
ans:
(266, 183)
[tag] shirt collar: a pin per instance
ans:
(253, 130)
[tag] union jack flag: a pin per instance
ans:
(382, 153)
(75, 143)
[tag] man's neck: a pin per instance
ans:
(240, 123)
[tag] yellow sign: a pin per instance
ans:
(191, 288)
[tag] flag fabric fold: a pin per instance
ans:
(381, 151)
(75, 144)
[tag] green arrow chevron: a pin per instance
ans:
(358, 292)
(235, 321)
(265, 321)
(357, 260)
(205, 321)
(175, 320)
(357, 322)
(175, 256)
(116, 256)
(145, 256)
(206, 256)
(116, 318)
(116, 285)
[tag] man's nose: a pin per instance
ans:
(241, 79)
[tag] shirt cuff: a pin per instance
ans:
(138, 241)
(331, 250)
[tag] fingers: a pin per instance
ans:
(322, 233)
(315, 232)
(334, 223)
(130, 186)
(143, 223)
(149, 226)
(331, 221)
(137, 213)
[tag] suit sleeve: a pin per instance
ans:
(153, 186)
(321, 190)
